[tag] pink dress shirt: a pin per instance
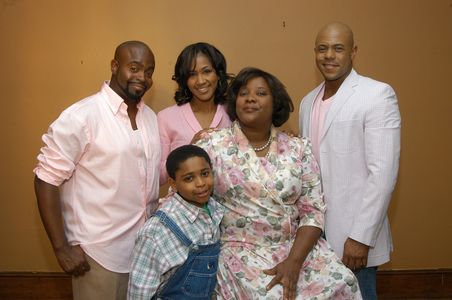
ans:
(319, 112)
(178, 125)
(107, 174)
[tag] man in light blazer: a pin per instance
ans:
(354, 124)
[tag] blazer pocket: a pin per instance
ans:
(346, 136)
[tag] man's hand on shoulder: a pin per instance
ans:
(72, 259)
(355, 254)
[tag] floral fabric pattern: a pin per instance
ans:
(266, 200)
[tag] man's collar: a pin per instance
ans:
(114, 100)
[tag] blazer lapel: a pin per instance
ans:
(190, 117)
(341, 97)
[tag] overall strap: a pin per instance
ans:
(171, 225)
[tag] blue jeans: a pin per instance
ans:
(197, 277)
(367, 280)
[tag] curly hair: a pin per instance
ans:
(282, 103)
(184, 66)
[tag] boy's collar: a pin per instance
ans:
(191, 211)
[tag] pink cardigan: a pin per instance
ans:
(178, 125)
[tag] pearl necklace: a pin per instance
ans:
(258, 149)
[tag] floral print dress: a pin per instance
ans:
(267, 199)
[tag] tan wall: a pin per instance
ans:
(55, 52)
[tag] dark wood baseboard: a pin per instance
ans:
(35, 286)
(415, 284)
(391, 284)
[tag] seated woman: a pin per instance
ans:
(269, 184)
(200, 73)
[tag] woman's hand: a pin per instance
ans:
(286, 273)
(199, 134)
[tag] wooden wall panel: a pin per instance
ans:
(413, 284)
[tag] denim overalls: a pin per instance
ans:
(197, 277)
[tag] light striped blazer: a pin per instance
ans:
(359, 159)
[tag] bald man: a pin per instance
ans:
(354, 125)
(97, 177)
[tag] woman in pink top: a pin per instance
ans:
(200, 73)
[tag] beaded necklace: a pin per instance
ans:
(257, 149)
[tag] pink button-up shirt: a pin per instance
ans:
(107, 173)
(319, 112)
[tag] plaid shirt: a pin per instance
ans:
(158, 252)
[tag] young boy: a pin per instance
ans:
(176, 251)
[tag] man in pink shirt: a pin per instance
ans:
(97, 177)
